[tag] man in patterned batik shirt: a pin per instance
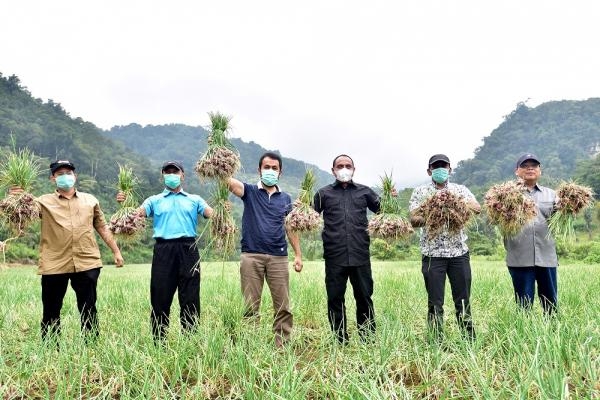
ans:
(444, 254)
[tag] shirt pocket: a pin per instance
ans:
(546, 208)
(359, 203)
(359, 212)
(84, 242)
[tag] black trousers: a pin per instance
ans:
(336, 278)
(175, 266)
(54, 288)
(458, 270)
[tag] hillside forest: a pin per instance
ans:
(564, 134)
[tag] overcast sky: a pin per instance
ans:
(388, 82)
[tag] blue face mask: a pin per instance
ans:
(269, 177)
(65, 182)
(440, 175)
(172, 181)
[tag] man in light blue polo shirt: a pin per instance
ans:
(175, 260)
(264, 247)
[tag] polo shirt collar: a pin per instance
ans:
(167, 192)
(260, 187)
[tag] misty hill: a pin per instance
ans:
(562, 134)
(186, 143)
(50, 132)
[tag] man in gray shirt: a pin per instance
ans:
(531, 254)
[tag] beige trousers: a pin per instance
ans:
(255, 269)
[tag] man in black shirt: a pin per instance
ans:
(344, 206)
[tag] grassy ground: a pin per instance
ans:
(516, 355)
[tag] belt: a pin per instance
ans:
(176, 240)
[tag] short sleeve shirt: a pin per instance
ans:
(67, 240)
(263, 220)
(445, 244)
(174, 214)
(534, 246)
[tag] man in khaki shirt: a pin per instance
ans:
(68, 249)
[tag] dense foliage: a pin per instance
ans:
(51, 133)
(186, 143)
(48, 130)
(562, 133)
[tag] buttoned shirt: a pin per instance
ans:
(67, 240)
(445, 244)
(345, 237)
(174, 214)
(534, 246)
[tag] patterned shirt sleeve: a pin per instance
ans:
(417, 198)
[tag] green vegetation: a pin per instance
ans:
(562, 133)
(516, 354)
(19, 168)
(565, 134)
(48, 132)
(187, 143)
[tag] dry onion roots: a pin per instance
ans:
(572, 200)
(509, 208)
(303, 218)
(18, 211)
(127, 224)
(218, 163)
(390, 227)
(445, 211)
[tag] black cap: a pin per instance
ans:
(61, 164)
(527, 156)
(438, 157)
(175, 164)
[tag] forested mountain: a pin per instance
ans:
(562, 133)
(187, 143)
(50, 133)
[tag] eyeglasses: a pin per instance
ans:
(529, 166)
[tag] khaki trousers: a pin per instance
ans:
(255, 269)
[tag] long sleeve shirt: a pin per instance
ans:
(345, 237)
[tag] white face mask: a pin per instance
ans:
(344, 174)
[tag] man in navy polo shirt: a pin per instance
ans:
(175, 260)
(264, 248)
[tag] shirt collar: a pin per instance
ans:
(60, 196)
(434, 185)
(338, 183)
(260, 187)
(166, 192)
